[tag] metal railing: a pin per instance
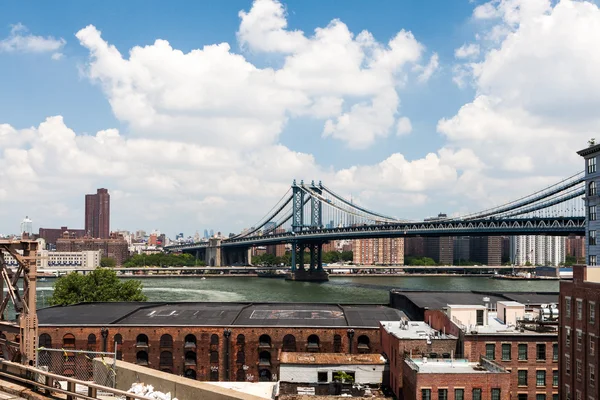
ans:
(46, 381)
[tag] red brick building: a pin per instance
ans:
(426, 379)
(214, 341)
(51, 235)
(97, 214)
(578, 344)
(116, 247)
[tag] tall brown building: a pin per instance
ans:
(115, 247)
(486, 250)
(579, 333)
(381, 251)
(97, 214)
(414, 246)
(440, 249)
(575, 246)
(277, 250)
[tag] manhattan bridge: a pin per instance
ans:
(309, 215)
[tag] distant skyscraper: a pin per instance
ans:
(212, 233)
(269, 227)
(27, 226)
(97, 214)
(206, 234)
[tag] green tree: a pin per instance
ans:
(108, 262)
(347, 256)
(570, 260)
(99, 285)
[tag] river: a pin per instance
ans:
(339, 289)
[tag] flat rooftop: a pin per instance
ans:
(331, 359)
(496, 327)
(219, 314)
(438, 300)
(448, 366)
(413, 330)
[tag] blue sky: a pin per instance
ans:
(469, 145)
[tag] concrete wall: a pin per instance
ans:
(180, 387)
(513, 313)
(466, 316)
(364, 374)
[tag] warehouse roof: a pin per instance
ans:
(219, 314)
(330, 358)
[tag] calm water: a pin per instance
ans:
(337, 290)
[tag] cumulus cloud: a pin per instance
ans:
(537, 92)
(403, 126)
(20, 40)
(467, 51)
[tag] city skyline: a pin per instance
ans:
(405, 123)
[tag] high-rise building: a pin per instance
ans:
(97, 214)
(486, 250)
(462, 248)
(537, 250)
(575, 247)
(277, 250)
(440, 249)
(379, 251)
(206, 234)
(414, 246)
(212, 233)
(27, 226)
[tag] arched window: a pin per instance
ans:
(240, 375)
(91, 339)
(241, 357)
(166, 341)
(241, 340)
(141, 340)
(45, 341)
(214, 339)
(166, 358)
(190, 358)
(363, 344)
(118, 338)
(264, 359)
(190, 341)
(337, 344)
(264, 341)
(264, 375)
(190, 373)
(141, 358)
(312, 343)
(214, 375)
(592, 189)
(68, 341)
(289, 343)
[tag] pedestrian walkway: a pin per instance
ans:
(8, 396)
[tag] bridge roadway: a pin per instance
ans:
(556, 226)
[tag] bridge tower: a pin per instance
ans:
(315, 273)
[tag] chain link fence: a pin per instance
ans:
(79, 364)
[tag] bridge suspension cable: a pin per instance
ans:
(529, 199)
(269, 216)
(571, 194)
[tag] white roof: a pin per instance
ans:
(413, 330)
(471, 306)
(511, 303)
(448, 366)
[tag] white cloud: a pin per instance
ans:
(21, 41)
(467, 51)
(537, 94)
(403, 126)
(429, 69)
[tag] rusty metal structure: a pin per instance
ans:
(18, 336)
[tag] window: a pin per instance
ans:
(555, 352)
(592, 347)
(591, 213)
(591, 165)
(505, 351)
(490, 351)
(592, 370)
(425, 394)
(554, 396)
(166, 341)
(141, 340)
(592, 311)
(592, 237)
(166, 358)
(312, 343)
(91, 339)
(568, 307)
(337, 344)
(522, 396)
(592, 260)
(264, 341)
(289, 343)
(264, 359)
(555, 378)
(579, 339)
(45, 341)
(442, 394)
(477, 394)
(214, 339)
(579, 309)
(540, 396)
(142, 358)
(241, 357)
(495, 394)
(459, 394)
(567, 392)
(322, 376)
(592, 189)
(540, 378)
(190, 358)
(540, 352)
(190, 341)
(240, 340)
(568, 336)
(522, 377)
(578, 369)
(214, 357)
(522, 351)
(567, 364)
(363, 344)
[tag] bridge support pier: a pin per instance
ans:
(315, 272)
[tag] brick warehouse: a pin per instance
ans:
(214, 341)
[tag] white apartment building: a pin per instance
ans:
(89, 259)
(537, 250)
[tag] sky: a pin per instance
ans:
(199, 115)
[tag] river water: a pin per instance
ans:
(339, 289)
